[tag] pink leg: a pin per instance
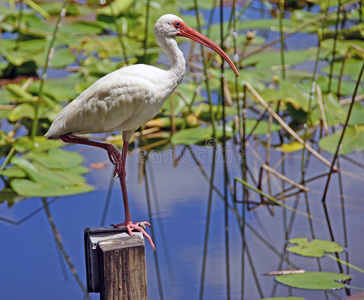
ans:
(114, 154)
(128, 222)
(119, 161)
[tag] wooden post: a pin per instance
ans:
(115, 263)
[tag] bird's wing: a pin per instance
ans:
(125, 96)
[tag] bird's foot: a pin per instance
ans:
(115, 158)
(140, 226)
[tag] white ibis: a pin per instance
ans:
(128, 98)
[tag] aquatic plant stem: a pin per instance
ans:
(47, 61)
(301, 27)
(212, 116)
(159, 219)
(145, 41)
(342, 134)
(150, 216)
(287, 128)
(334, 45)
(226, 175)
(57, 238)
(345, 263)
(281, 17)
(18, 25)
(207, 229)
(7, 159)
(119, 34)
(270, 198)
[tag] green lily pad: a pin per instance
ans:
(351, 68)
(23, 110)
(40, 143)
(56, 158)
(53, 173)
(316, 248)
(17, 93)
(314, 280)
(353, 141)
(30, 188)
(13, 172)
(191, 136)
(116, 8)
(291, 147)
(261, 128)
(41, 174)
(270, 59)
(290, 92)
(284, 298)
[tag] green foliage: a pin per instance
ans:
(315, 248)
(314, 280)
(284, 298)
(45, 174)
(353, 141)
(86, 49)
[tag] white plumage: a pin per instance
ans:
(128, 98)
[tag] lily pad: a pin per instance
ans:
(351, 68)
(316, 248)
(261, 128)
(13, 172)
(199, 135)
(39, 143)
(291, 147)
(290, 92)
(353, 141)
(191, 136)
(56, 158)
(270, 59)
(116, 8)
(284, 298)
(314, 280)
(28, 188)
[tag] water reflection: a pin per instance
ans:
(178, 205)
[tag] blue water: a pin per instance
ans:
(32, 267)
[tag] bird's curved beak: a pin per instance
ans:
(192, 34)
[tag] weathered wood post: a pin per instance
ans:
(115, 263)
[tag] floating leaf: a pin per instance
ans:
(291, 92)
(291, 147)
(62, 58)
(82, 27)
(352, 68)
(191, 136)
(13, 172)
(284, 298)
(23, 110)
(316, 248)
(353, 141)
(30, 188)
(314, 280)
(116, 8)
(270, 59)
(39, 143)
(56, 158)
(261, 128)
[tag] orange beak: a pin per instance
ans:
(192, 34)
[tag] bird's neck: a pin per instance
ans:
(175, 55)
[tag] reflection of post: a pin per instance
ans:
(115, 263)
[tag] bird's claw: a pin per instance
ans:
(139, 227)
(115, 158)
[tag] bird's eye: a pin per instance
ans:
(177, 24)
